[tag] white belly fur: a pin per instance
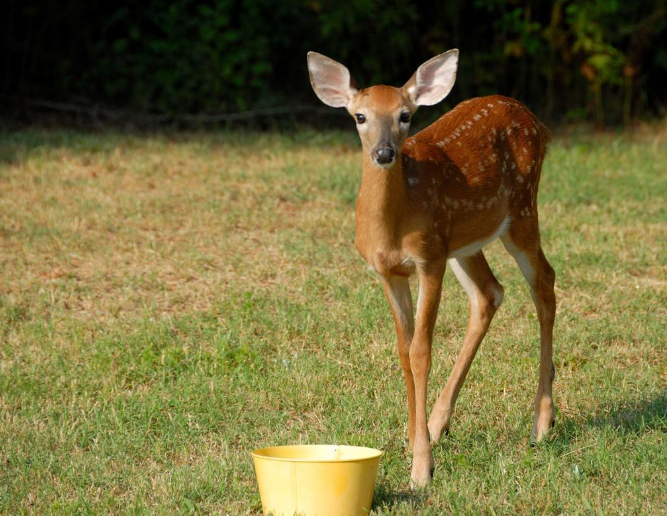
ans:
(470, 249)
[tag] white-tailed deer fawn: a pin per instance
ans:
(440, 196)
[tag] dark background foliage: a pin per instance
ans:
(600, 60)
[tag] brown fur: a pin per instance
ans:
(450, 181)
(437, 198)
(453, 185)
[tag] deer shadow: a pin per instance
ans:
(627, 417)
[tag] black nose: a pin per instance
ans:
(384, 155)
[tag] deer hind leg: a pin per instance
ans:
(397, 290)
(485, 295)
(524, 245)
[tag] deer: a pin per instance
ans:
(438, 198)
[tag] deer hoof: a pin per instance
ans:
(421, 483)
(422, 473)
(436, 434)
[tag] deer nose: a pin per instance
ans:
(383, 155)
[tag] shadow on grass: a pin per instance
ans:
(634, 416)
(16, 147)
(627, 417)
(385, 497)
(20, 145)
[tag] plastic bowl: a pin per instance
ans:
(316, 480)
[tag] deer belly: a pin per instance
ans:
(468, 249)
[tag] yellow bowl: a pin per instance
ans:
(316, 480)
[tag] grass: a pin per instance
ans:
(171, 302)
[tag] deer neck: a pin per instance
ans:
(381, 205)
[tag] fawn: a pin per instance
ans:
(439, 197)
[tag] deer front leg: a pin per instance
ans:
(397, 290)
(430, 287)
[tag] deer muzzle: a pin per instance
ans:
(384, 155)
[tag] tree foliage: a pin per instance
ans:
(568, 59)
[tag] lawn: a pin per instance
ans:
(168, 303)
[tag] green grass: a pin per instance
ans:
(170, 303)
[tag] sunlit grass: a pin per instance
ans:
(170, 303)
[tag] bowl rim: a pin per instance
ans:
(261, 453)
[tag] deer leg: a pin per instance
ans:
(430, 287)
(540, 277)
(397, 290)
(485, 295)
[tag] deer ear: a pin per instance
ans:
(330, 80)
(433, 80)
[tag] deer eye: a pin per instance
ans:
(360, 118)
(404, 118)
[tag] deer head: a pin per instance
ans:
(383, 113)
